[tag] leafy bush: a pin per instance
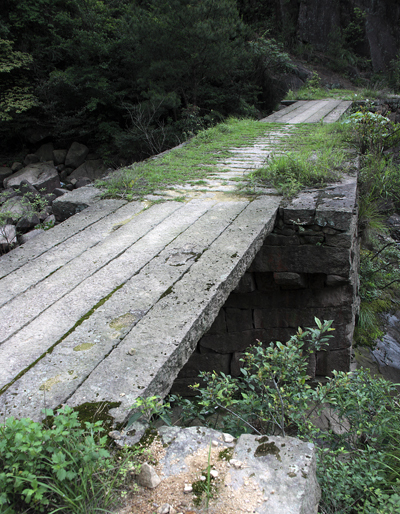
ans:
(372, 132)
(357, 448)
(65, 467)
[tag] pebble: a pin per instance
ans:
(214, 473)
(187, 489)
(228, 438)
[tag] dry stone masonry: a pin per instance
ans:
(306, 267)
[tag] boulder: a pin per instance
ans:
(40, 175)
(59, 191)
(6, 194)
(90, 169)
(8, 237)
(82, 182)
(17, 207)
(59, 156)
(271, 474)
(26, 187)
(31, 158)
(16, 166)
(75, 201)
(4, 173)
(27, 222)
(45, 152)
(76, 155)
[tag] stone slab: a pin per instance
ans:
(148, 360)
(275, 117)
(36, 338)
(301, 209)
(337, 206)
(338, 112)
(323, 111)
(39, 245)
(304, 258)
(107, 258)
(37, 269)
(296, 114)
(312, 111)
(73, 359)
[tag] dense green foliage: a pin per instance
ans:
(63, 468)
(129, 77)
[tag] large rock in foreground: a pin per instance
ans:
(41, 175)
(266, 475)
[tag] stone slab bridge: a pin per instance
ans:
(132, 299)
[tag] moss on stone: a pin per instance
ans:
(267, 449)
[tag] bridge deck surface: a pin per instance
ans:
(109, 305)
(327, 111)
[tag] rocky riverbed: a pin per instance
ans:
(29, 190)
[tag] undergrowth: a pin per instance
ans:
(357, 457)
(65, 467)
(309, 156)
(313, 90)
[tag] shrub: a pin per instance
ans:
(66, 467)
(357, 450)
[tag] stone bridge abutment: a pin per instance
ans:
(307, 267)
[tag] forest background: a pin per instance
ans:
(131, 78)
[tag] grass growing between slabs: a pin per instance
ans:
(309, 155)
(193, 162)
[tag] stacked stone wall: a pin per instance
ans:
(307, 267)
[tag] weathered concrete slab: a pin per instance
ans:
(151, 355)
(108, 259)
(312, 111)
(83, 349)
(39, 336)
(36, 270)
(324, 111)
(39, 245)
(275, 117)
(336, 114)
